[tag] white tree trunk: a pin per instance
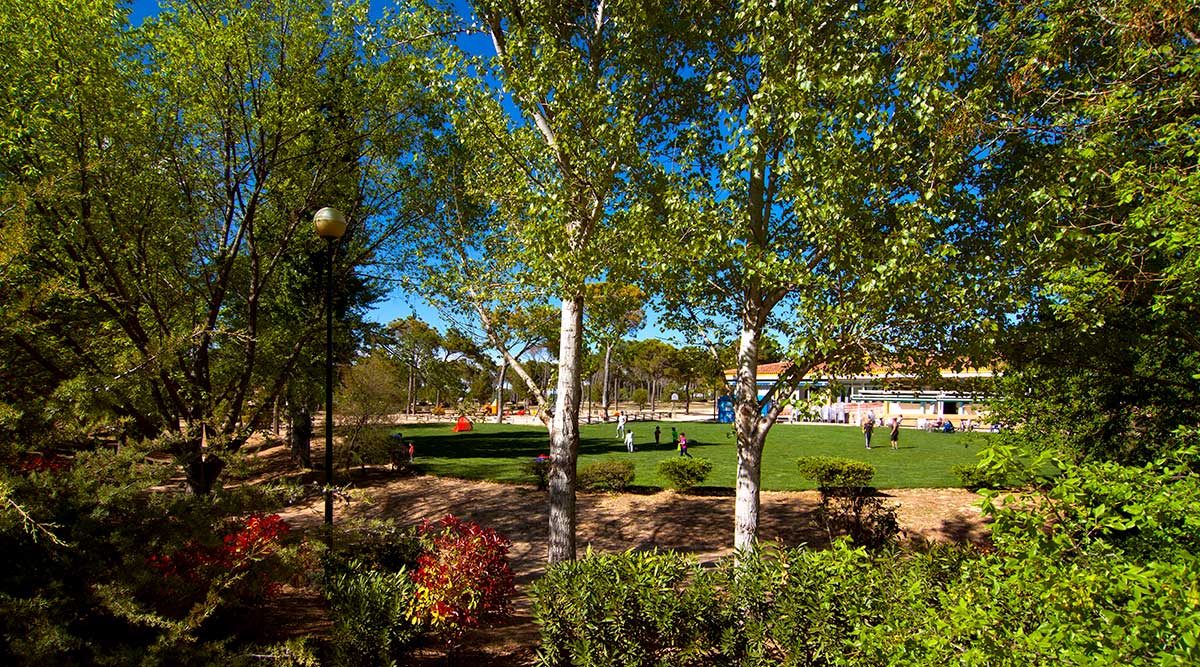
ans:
(750, 436)
(500, 390)
(604, 391)
(564, 434)
(746, 501)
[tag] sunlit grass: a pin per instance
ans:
(497, 452)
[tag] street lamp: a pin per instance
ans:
(330, 224)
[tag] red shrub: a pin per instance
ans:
(40, 463)
(190, 570)
(463, 577)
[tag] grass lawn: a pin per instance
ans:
(497, 451)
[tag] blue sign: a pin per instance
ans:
(725, 409)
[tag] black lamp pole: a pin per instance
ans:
(329, 384)
(330, 224)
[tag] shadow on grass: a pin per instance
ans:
(498, 443)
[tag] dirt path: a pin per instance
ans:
(702, 525)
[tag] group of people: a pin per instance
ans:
(941, 425)
(679, 440)
(868, 429)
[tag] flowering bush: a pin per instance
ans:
(462, 578)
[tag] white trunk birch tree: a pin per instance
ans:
(556, 130)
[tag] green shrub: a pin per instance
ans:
(369, 609)
(606, 476)
(539, 468)
(1096, 568)
(112, 571)
(635, 608)
(836, 476)
(378, 544)
(684, 473)
(848, 504)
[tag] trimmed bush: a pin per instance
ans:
(539, 468)
(975, 477)
(606, 476)
(834, 475)
(684, 473)
(848, 504)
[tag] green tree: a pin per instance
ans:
(413, 343)
(583, 78)
(839, 209)
(694, 368)
(163, 180)
(614, 312)
(651, 358)
(1094, 155)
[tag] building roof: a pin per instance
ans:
(772, 371)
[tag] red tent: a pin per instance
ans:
(463, 424)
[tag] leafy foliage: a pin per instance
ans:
(462, 578)
(848, 505)
(1099, 568)
(684, 473)
(539, 468)
(835, 475)
(1115, 390)
(606, 476)
(974, 476)
(369, 607)
(111, 571)
(636, 608)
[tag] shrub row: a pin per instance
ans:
(845, 606)
(1097, 568)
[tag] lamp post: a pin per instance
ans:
(330, 224)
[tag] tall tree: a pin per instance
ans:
(1097, 120)
(651, 358)
(589, 81)
(829, 203)
(614, 312)
(691, 366)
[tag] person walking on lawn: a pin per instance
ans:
(629, 440)
(683, 445)
(895, 433)
(868, 426)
